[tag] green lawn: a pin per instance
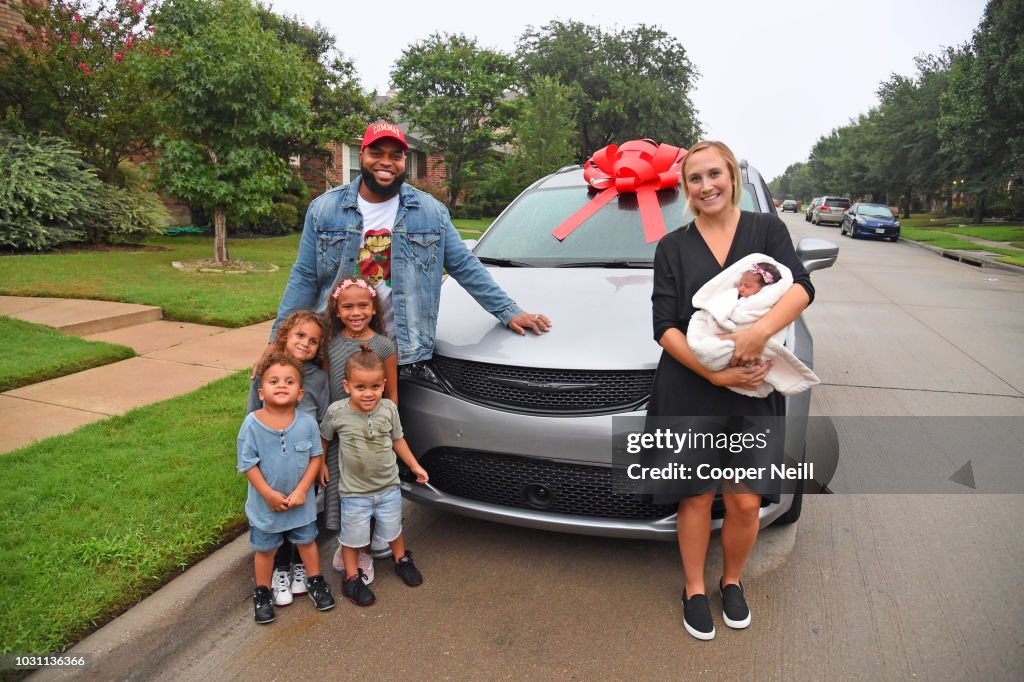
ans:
(30, 353)
(147, 277)
(471, 229)
(94, 520)
(946, 238)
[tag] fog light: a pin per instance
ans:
(538, 496)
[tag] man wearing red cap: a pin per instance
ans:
(403, 240)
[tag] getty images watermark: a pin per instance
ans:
(680, 444)
(679, 456)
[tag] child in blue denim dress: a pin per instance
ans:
(370, 435)
(301, 337)
(279, 452)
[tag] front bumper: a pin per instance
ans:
(542, 472)
(881, 232)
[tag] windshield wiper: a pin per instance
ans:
(643, 264)
(506, 262)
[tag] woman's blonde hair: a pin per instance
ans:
(730, 161)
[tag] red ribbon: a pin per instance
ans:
(639, 166)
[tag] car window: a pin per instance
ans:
(615, 232)
(875, 211)
(837, 203)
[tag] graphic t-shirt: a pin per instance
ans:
(374, 261)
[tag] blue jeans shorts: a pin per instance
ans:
(356, 513)
(262, 541)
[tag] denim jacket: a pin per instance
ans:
(424, 244)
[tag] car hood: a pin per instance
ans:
(872, 221)
(600, 319)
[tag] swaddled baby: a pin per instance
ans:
(734, 300)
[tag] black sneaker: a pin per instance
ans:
(357, 591)
(734, 606)
(320, 592)
(697, 617)
(407, 571)
(263, 605)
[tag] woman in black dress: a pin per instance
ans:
(685, 259)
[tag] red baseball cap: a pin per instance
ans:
(382, 130)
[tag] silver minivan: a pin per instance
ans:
(519, 429)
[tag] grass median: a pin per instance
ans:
(147, 276)
(96, 519)
(30, 353)
(943, 234)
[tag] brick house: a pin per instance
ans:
(9, 19)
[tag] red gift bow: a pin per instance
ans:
(640, 166)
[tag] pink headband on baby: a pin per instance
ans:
(766, 276)
(346, 283)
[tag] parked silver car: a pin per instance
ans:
(830, 210)
(519, 429)
(815, 202)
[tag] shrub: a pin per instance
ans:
(434, 189)
(281, 220)
(50, 198)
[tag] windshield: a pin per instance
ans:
(613, 235)
(874, 211)
(837, 203)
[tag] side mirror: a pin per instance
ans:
(817, 254)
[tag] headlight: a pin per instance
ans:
(896, 224)
(422, 373)
(861, 221)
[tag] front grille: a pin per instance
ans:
(576, 489)
(546, 391)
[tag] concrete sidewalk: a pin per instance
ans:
(173, 358)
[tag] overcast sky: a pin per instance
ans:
(775, 76)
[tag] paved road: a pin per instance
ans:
(866, 586)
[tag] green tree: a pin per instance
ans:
(632, 83)
(231, 93)
(456, 94)
(340, 107)
(908, 130)
(74, 70)
(543, 140)
(544, 134)
(982, 121)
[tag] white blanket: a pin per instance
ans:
(721, 311)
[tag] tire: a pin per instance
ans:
(793, 513)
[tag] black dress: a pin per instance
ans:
(683, 263)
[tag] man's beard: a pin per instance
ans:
(386, 191)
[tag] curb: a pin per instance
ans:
(966, 257)
(137, 643)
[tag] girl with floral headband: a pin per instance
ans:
(353, 320)
(756, 278)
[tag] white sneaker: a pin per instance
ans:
(366, 566)
(280, 586)
(299, 579)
